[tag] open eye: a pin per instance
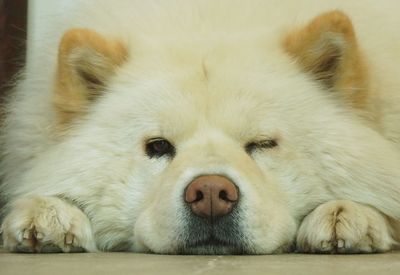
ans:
(259, 145)
(159, 147)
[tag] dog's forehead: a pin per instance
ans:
(232, 95)
(181, 107)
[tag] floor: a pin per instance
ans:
(129, 263)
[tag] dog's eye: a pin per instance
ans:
(159, 147)
(259, 145)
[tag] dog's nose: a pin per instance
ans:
(211, 196)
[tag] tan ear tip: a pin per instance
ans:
(74, 38)
(335, 20)
(80, 37)
(75, 32)
(337, 15)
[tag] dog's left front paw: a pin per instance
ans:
(46, 224)
(344, 227)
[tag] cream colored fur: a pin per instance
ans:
(210, 76)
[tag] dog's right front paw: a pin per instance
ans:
(46, 224)
(344, 227)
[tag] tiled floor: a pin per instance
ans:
(129, 263)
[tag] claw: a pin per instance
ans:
(325, 245)
(340, 244)
(69, 238)
(39, 236)
(27, 234)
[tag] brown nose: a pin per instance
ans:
(211, 196)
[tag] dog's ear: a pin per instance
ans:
(86, 61)
(327, 48)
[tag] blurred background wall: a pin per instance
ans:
(22, 24)
(13, 31)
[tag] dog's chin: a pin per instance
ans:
(210, 250)
(212, 246)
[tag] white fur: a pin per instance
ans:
(253, 89)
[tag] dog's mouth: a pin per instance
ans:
(223, 236)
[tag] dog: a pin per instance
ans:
(207, 127)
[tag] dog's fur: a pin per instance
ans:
(319, 78)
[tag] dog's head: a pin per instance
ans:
(206, 146)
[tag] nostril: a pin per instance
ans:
(228, 195)
(199, 196)
(223, 195)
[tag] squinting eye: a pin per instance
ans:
(159, 147)
(259, 145)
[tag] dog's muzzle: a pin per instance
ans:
(212, 217)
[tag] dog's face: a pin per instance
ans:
(195, 153)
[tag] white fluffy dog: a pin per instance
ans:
(208, 127)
